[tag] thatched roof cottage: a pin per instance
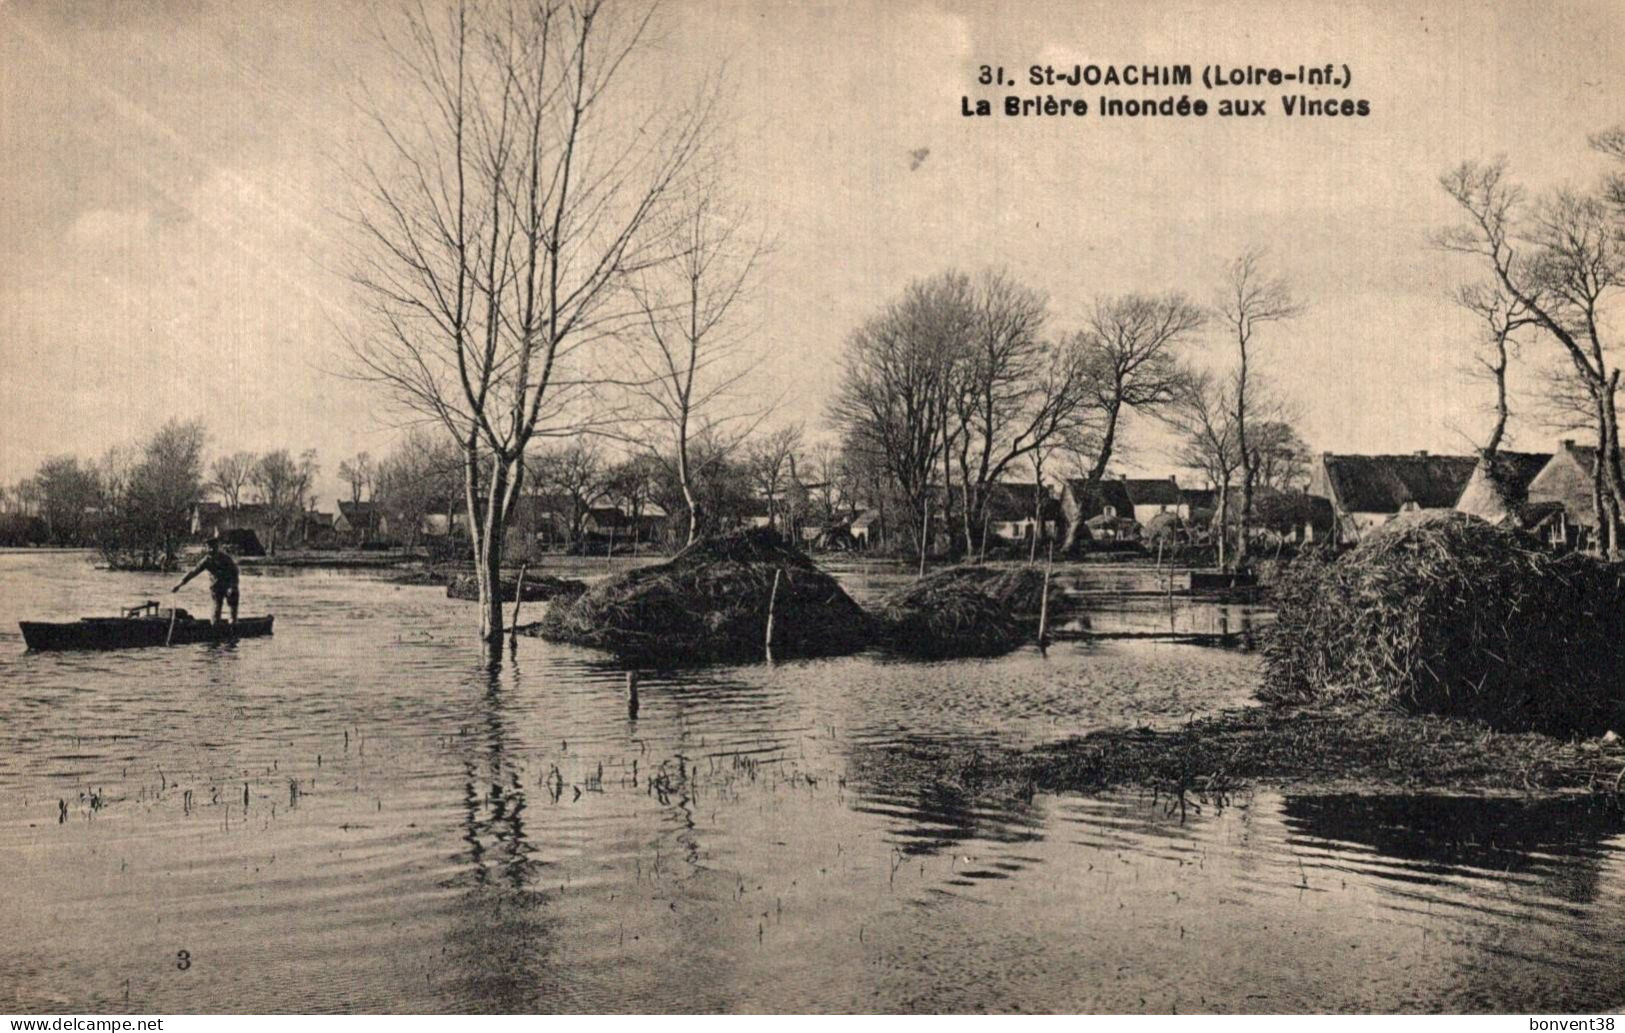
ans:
(1565, 482)
(1368, 491)
(1081, 503)
(1154, 496)
(1498, 490)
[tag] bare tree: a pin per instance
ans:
(229, 475)
(1203, 413)
(687, 349)
(770, 461)
(1499, 317)
(506, 198)
(1250, 299)
(284, 484)
(1015, 392)
(358, 472)
(894, 400)
(827, 488)
(575, 473)
(420, 478)
(1561, 260)
(1130, 356)
(1283, 456)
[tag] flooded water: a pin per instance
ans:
(360, 813)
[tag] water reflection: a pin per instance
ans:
(930, 794)
(1555, 847)
(502, 943)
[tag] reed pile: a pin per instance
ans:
(709, 603)
(964, 611)
(1443, 613)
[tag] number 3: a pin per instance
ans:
(183, 960)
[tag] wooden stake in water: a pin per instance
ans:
(518, 597)
(1043, 602)
(925, 535)
(772, 604)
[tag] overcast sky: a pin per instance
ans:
(171, 199)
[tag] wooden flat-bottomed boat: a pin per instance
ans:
(138, 627)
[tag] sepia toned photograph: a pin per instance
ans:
(902, 507)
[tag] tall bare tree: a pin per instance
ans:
(506, 195)
(1016, 393)
(1562, 259)
(686, 352)
(1250, 299)
(1203, 414)
(895, 397)
(284, 485)
(1499, 317)
(1131, 355)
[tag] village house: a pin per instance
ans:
(1016, 511)
(1104, 512)
(1560, 498)
(360, 521)
(1368, 491)
(1498, 490)
(606, 522)
(865, 529)
(1200, 504)
(215, 520)
(1154, 496)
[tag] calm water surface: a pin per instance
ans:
(362, 814)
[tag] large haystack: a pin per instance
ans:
(1442, 612)
(710, 603)
(964, 611)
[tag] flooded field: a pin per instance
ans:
(362, 814)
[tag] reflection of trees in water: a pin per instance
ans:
(936, 794)
(1559, 842)
(501, 945)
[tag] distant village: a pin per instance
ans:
(1330, 499)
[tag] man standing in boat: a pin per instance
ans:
(222, 578)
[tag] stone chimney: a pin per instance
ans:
(1422, 452)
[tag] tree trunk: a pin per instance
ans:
(685, 480)
(1107, 440)
(1224, 518)
(485, 532)
(1608, 459)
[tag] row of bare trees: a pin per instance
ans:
(958, 383)
(134, 503)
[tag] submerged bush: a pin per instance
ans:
(1443, 613)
